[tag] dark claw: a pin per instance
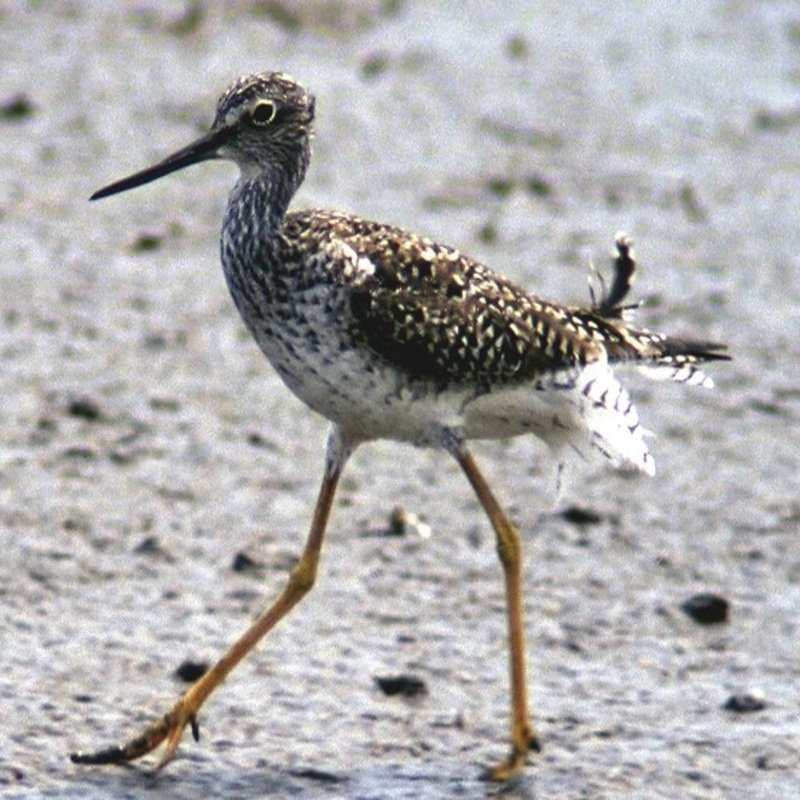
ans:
(534, 745)
(195, 725)
(110, 755)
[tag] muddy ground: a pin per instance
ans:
(145, 444)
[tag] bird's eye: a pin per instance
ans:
(264, 112)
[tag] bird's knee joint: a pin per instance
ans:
(303, 575)
(509, 548)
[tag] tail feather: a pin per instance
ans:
(612, 420)
(680, 373)
(608, 302)
(674, 359)
(662, 357)
(607, 411)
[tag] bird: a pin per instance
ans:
(391, 335)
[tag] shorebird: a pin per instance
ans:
(390, 335)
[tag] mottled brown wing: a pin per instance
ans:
(435, 313)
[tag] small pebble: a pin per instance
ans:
(581, 516)
(190, 671)
(746, 702)
(84, 408)
(146, 242)
(244, 563)
(152, 547)
(707, 608)
(18, 106)
(404, 685)
(402, 522)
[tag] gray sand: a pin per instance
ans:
(144, 442)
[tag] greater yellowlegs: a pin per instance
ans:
(390, 335)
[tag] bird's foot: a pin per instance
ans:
(516, 760)
(167, 730)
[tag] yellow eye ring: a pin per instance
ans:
(264, 112)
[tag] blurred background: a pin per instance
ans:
(157, 479)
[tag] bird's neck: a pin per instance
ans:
(263, 192)
(260, 201)
(254, 219)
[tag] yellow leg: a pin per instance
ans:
(169, 729)
(509, 549)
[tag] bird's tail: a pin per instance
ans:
(611, 419)
(609, 416)
(679, 360)
(660, 357)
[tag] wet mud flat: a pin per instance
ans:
(156, 479)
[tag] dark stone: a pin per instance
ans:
(84, 408)
(190, 671)
(745, 703)
(581, 516)
(18, 106)
(398, 522)
(309, 773)
(404, 685)
(244, 563)
(706, 608)
(151, 546)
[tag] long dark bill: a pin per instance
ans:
(203, 149)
